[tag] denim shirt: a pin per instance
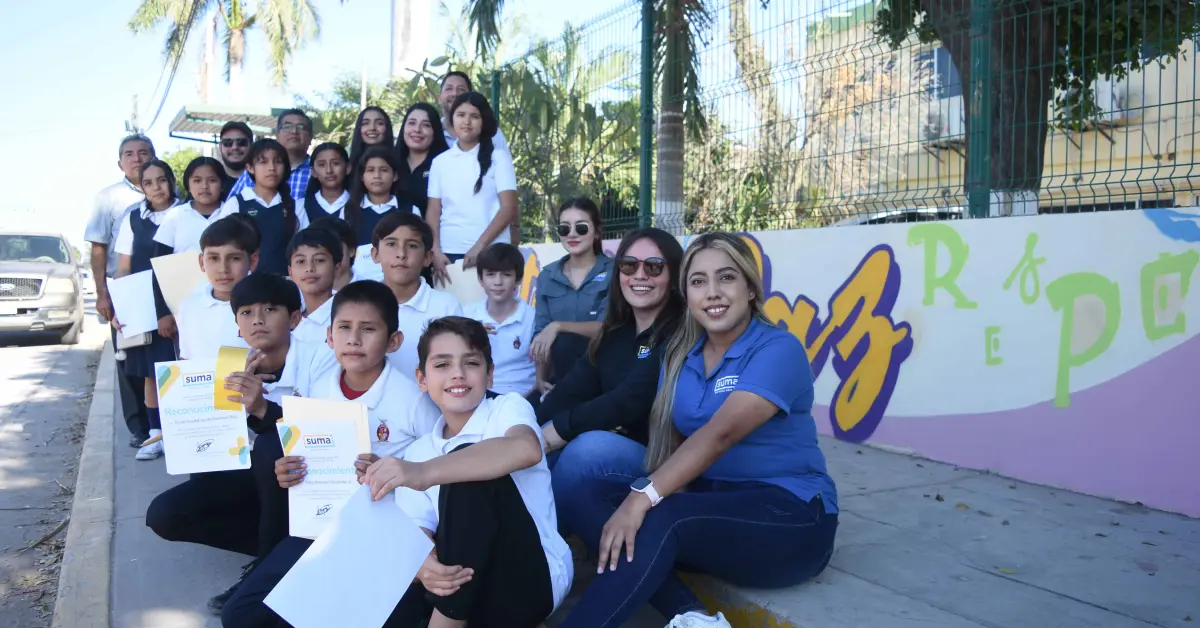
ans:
(559, 301)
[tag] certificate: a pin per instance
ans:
(197, 437)
(133, 300)
(324, 589)
(178, 276)
(330, 435)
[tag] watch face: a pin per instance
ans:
(640, 484)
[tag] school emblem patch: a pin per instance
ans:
(382, 432)
(643, 352)
(517, 343)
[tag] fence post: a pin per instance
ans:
(496, 92)
(646, 174)
(979, 192)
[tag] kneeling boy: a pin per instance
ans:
(364, 330)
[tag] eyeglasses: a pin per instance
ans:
(654, 266)
(289, 127)
(581, 228)
(230, 142)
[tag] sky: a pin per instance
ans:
(72, 68)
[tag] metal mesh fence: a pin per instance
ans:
(806, 113)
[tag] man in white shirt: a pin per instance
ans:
(108, 211)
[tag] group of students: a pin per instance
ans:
(644, 401)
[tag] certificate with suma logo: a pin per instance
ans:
(198, 437)
(330, 435)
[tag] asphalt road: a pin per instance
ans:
(45, 391)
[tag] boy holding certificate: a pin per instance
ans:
(228, 252)
(364, 330)
(313, 258)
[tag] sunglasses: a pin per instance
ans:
(581, 228)
(230, 142)
(654, 266)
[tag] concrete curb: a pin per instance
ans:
(83, 580)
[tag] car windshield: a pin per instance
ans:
(22, 248)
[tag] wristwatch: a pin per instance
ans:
(646, 487)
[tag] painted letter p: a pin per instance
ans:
(1091, 313)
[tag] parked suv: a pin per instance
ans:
(40, 285)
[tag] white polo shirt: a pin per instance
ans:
(498, 141)
(465, 214)
(332, 209)
(108, 212)
(205, 325)
(312, 328)
(306, 363)
(231, 207)
(365, 267)
(182, 227)
(426, 305)
(398, 411)
(492, 419)
(124, 243)
(515, 372)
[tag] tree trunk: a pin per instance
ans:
(1022, 58)
(237, 57)
(669, 208)
(755, 74)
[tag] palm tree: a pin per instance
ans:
(286, 24)
(679, 24)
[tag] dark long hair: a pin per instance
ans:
(619, 312)
(313, 184)
(490, 126)
(166, 168)
(262, 147)
(585, 205)
(358, 146)
(358, 191)
(439, 144)
(197, 164)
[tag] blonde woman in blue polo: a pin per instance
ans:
(733, 482)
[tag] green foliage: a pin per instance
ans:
(179, 161)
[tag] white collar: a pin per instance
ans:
(476, 425)
(517, 316)
(147, 212)
(420, 300)
(374, 395)
(321, 315)
(335, 205)
(249, 195)
(209, 300)
(459, 151)
(392, 203)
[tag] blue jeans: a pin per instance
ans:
(747, 533)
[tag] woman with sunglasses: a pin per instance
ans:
(612, 387)
(571, 293)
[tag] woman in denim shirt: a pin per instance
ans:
(571, 293)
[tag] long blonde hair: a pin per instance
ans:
(664, 438)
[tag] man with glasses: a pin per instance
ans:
(294, 131)
(234, 145)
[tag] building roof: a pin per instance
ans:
(844, 20)
(204, 122)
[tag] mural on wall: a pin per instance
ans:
(1054, 349)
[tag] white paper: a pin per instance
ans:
(465, 286)
(329, 585)
(198, 438)
(179, 275)
(330, 435)
(133, 299)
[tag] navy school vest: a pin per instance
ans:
(272, 224)
(144, 245)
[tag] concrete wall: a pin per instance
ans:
(1057, 349)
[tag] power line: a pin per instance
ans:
(187, 31)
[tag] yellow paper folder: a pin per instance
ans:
(229, 360)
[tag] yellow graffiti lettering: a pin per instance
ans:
(529, 280)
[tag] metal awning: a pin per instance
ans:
(202, 123)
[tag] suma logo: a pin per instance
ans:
(318, 441)
(725, 384)
(857, 334)
(643, 352)
(198, 379)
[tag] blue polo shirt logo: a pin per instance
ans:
(643, 352)
(725, 384)
(600, 277)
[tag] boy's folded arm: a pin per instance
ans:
(265, 423)
(488, 459)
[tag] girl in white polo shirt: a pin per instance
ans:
(327, 191)
(479, 487)
(182, 227)
(472, 188)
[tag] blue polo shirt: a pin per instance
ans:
(771, 363)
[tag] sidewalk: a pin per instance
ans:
(920, 543)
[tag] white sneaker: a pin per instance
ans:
(693, 619)
(152, 448)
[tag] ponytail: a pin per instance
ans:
(485, 161)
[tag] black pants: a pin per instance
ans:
(218, 509)
(272, 498)
(484, 525)
(133, 398)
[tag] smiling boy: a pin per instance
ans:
(313, 258)
(508, 319)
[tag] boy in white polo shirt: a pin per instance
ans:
(402, 244)
(364, 331)
(480, 488)
(508, 319)
(228, 252)
(313, 258)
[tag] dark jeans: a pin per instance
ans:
(748, 533)
(133, 398)
(272, 499)
(483, 525)
(218, 509)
